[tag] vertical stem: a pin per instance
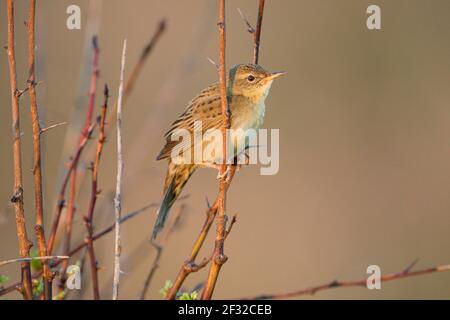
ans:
(88, 219)
(37, 168)
(219, 257)
(17, 198)
(85, 134)
(257, 34)
(118, 197)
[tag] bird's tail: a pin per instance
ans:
(177, 176)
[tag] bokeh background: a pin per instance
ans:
(364, 123)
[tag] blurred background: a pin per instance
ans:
(364, 123)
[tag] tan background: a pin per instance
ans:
(364, 123)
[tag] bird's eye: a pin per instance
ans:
(250, 78)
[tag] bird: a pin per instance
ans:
(247, 88)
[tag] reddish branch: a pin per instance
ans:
(37, 168)
(256, 33)
(62, 192)
(189, 265)
(353, 283)
(17, 198)
(58, 261)
(85, 134)
(219, 257)
(88, 219)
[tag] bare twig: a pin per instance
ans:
(353, 283)
(129, 84)
(88, 219)
(107, 230)
(43, 130)
(118, 197)
(17, 198)
(44, 258)
(61, 196)
(159, 250)
(256, 33)
(219, 257)
(37, 168)
(85, 133)
(134, 76)
(189, 265)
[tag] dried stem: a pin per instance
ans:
(256, 33)
(44, 258)
(37, 168)
(107, 230)
(17, 198)
(159, 250)
(353, 283)
(118, 197)
(219, 257)
(88, 219)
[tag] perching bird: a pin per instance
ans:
(250, 85)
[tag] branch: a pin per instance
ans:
(118, 197)
(37, 168)
(17, 198)
(129, 85)
(61, 196)
(44, 258)
(44, 130)
(189, 265)
(219, 257)
(256, 33)
(159, 250)
(17, 285)
(88, 219)
(128, 88)
(353, 283)
(85, 134)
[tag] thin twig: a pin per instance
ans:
(134, 76)
(129, 84)
(43, 130)
(255, 32)
(353, 283)
(159, 250)
(73, 175)
(219, 257)
(17, 198)
(189, 265)
(104, 232)
(44, 258)
(37, 168)
(61, 196)
(118, 197)
(88, 219)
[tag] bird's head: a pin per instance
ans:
(251, 80)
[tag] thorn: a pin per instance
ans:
(250, 28)
(411, 265)
(213, 63)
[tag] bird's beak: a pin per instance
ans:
(274, 75)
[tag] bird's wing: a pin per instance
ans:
(205, 108)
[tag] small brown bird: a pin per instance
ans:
(247, 88)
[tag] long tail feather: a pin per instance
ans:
(177, 176)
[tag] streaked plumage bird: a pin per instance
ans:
(247, 88)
